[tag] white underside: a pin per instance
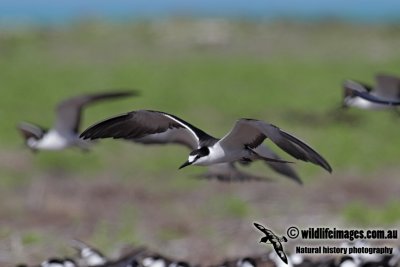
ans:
(219, 155)
(48, 264)
(150, 262)
(365, 104)
(92, 258)
(54, 140)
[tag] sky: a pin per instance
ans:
(64, 11)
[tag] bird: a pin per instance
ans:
(88, 255)
(155, 261)
(65, 132)
(58, 262)
(225, 172)
(242, 143)
(228, 172)
(130, 259)
(274, 240)
(385, 94)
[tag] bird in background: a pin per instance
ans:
(65, 132)
(385, 94)
(88, 255)
(242, 143)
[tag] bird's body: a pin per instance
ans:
(362, 103)
(56, 262)
(385, 94)
(240, 144)
(65, 132)
(227, 172)
(55, 140)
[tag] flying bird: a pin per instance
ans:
(385, 94)
(273, 239)
(225, 172)
(65, 132)
(242, 143)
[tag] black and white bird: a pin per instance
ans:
(57, 262)
(130, 259)
(385, 94)
(88, 255)
(65, 132)
(239, 262)
(227, 171)
(242, 143)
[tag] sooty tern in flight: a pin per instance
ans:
(242, 143)
(385, 94)
(227, 171)
(65, 132)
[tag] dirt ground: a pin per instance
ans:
(41, 215)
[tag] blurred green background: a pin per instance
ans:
(209, 72)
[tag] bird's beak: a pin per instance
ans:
(187, 163)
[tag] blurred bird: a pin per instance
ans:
(262, 260)
(130, 259)
(153, 259)
(56, 262)
(242, 143)
(66, 128)
(88, 255)
(228, 172)
(385, 94)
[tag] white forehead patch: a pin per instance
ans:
(191, 158)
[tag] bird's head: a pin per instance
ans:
(265, 239)
(196, 157)
(350, 92)
(348, 97)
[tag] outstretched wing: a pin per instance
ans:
(266, 231)
(142, 123)
(281, 168)
(252, 133)
(375, 99)
(387, 87)
(349, 86)
(69, 111)
(180, 136)
(279, 250)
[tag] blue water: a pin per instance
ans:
(65, 11)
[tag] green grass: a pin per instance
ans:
(300, 70)
(367, 215)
